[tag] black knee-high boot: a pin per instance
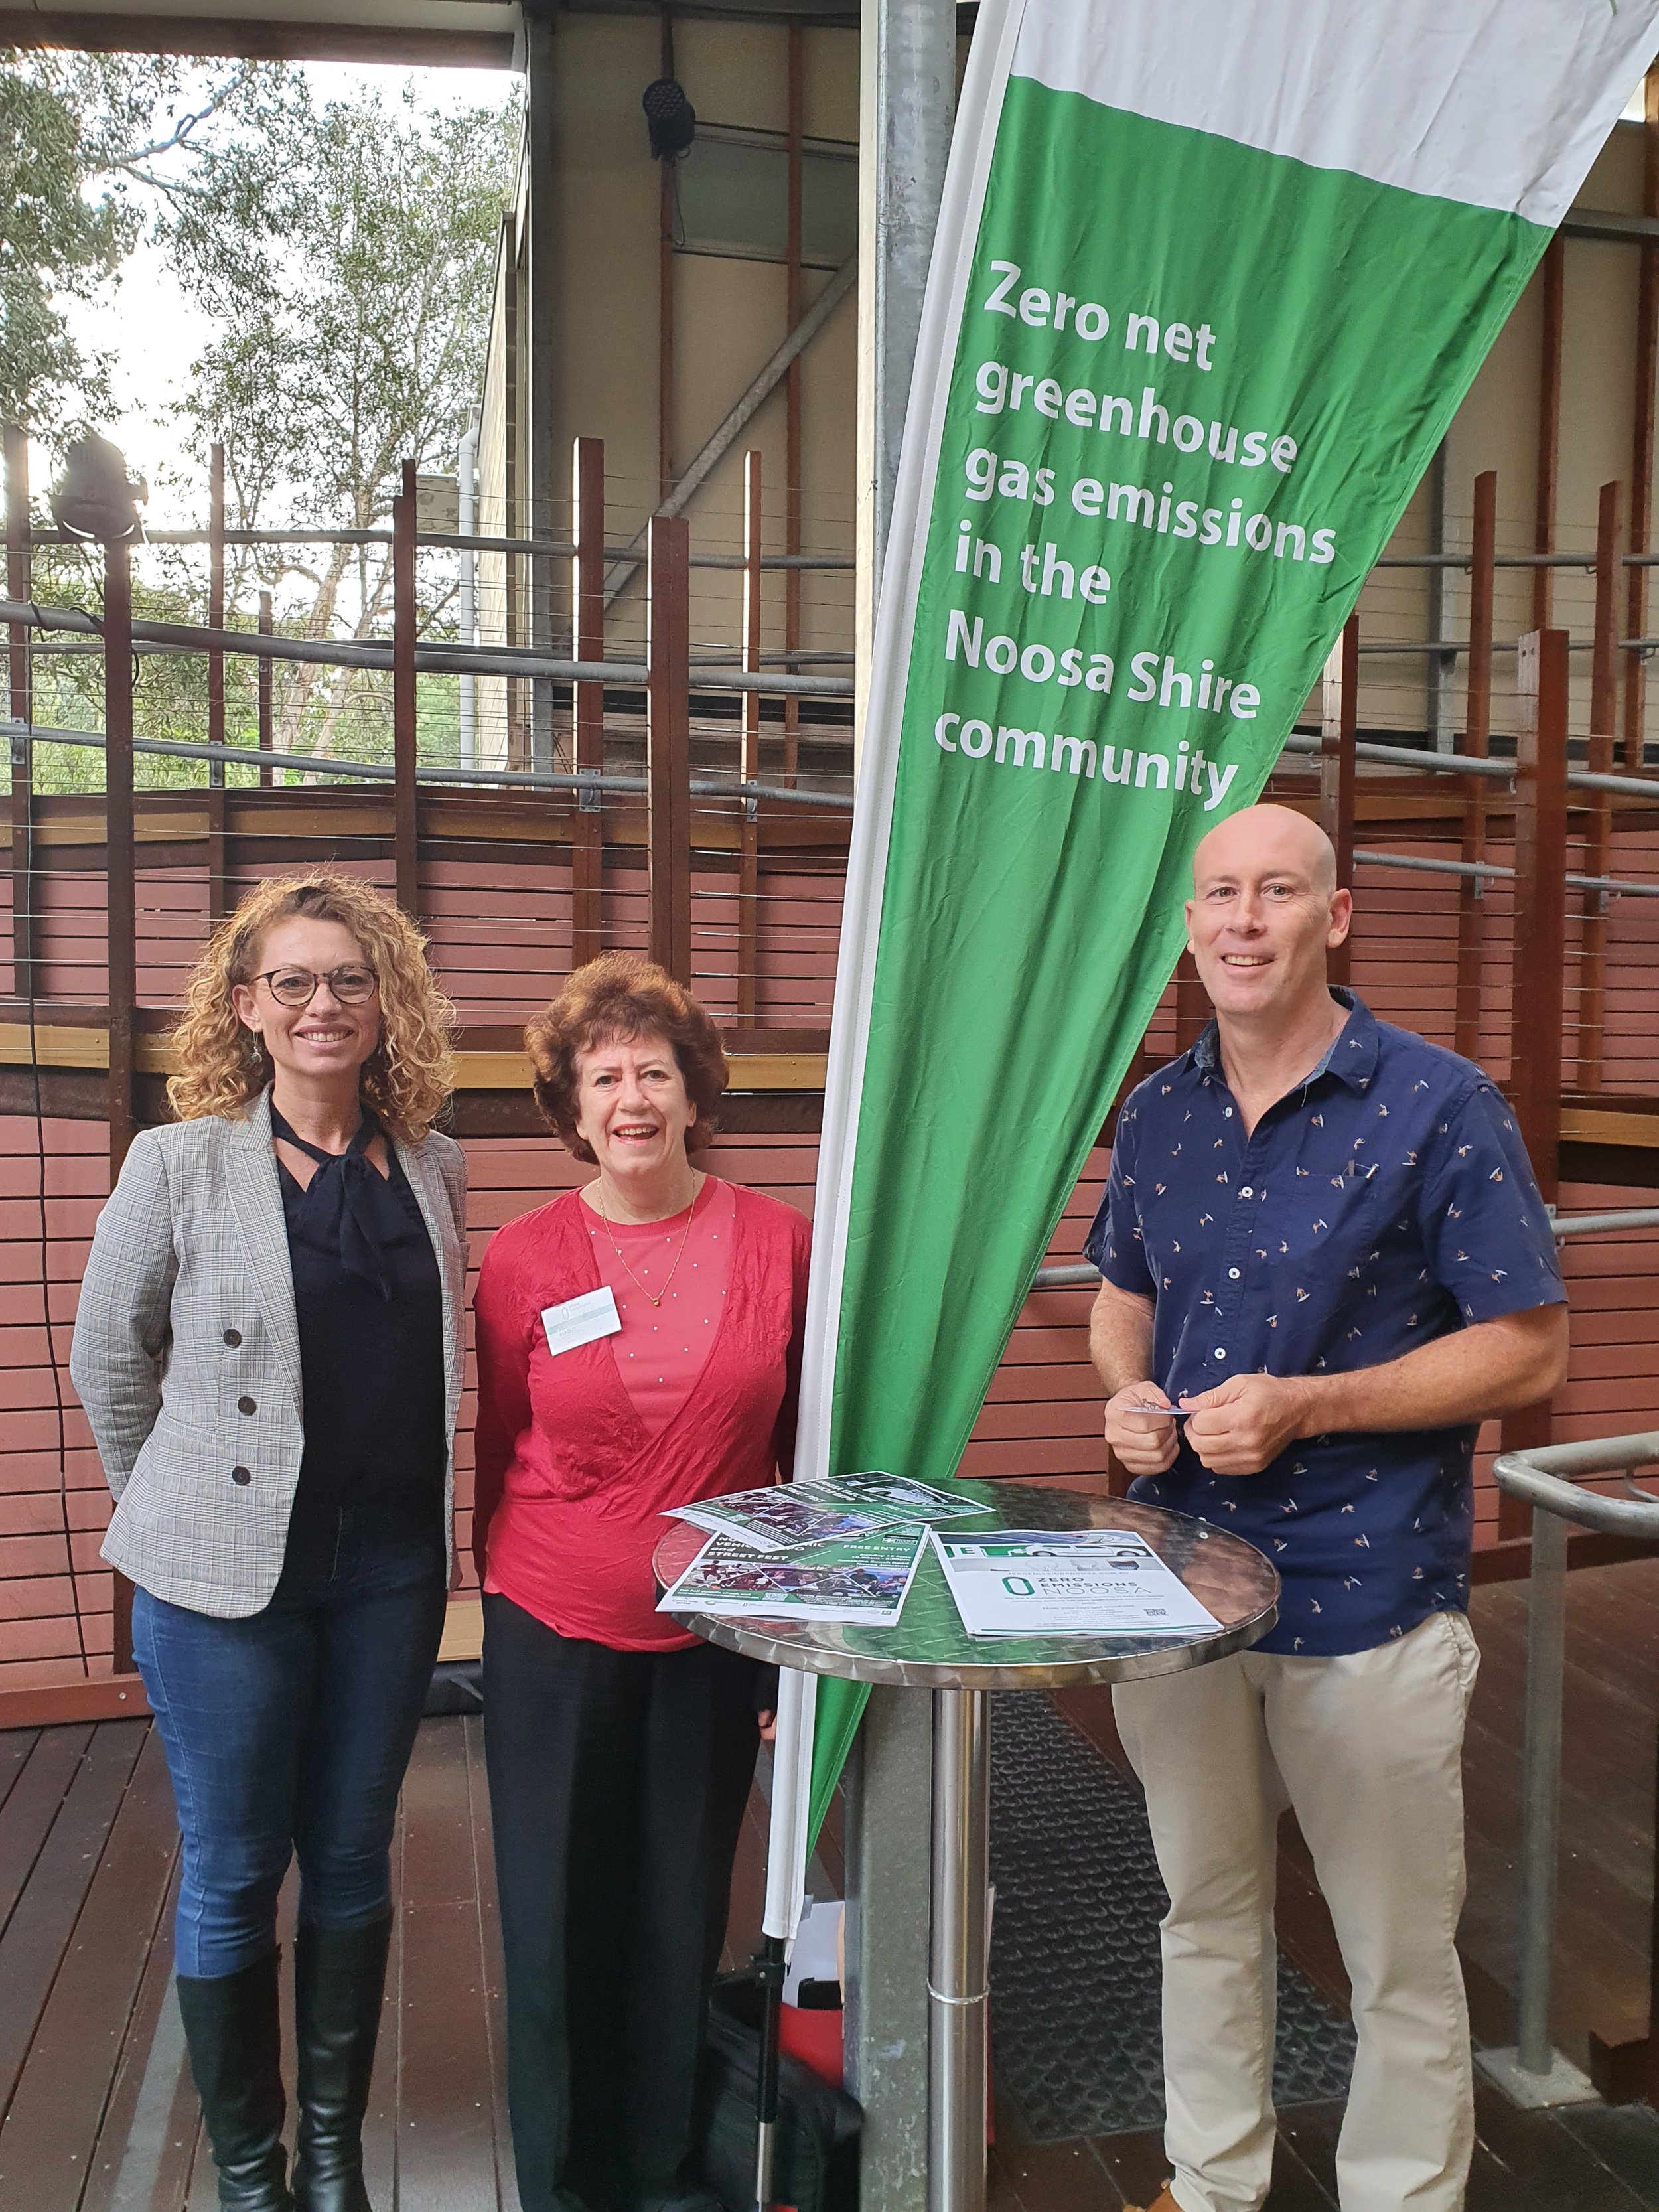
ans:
(233, 2032)
(340, 1975)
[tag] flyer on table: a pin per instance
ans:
(1087, 1581)
(785, 1515)
(864, 1578)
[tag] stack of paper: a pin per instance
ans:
(840, 1550)
(860, 1578)
(848, 1549)
(1066, 1581)
(787, 1515)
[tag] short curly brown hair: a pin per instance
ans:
(622, 994)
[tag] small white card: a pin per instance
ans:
(579, 1320)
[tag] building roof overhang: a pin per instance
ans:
(458, 33)
(455, 33)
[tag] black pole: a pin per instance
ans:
(769, 1960)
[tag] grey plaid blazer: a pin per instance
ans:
(186, 1313)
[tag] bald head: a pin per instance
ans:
(1265, 913)
(1261, 840)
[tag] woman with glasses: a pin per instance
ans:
(269, 1350)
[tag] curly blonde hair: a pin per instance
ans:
(223, 1066)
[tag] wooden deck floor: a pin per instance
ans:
(98, 2115)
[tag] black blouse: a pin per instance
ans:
(369, 1299)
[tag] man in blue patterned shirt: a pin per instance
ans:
(1323, 1250)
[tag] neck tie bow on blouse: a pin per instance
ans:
(338, 1212)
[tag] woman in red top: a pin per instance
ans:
(620, 1749)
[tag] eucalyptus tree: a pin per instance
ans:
(89, 145)
(342, 251)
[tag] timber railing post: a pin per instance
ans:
(121, 874)
(267, 774)
(219, 899)
(1641, 441)
(405, 818)
(1538, 955)
(1477, 739)
(120, 884)
(1340, 727)
(587, 628)
(1552, 278)
(1598, 841)
(668, 743)
(749, 761)
(19, 565)
(1192, 1005)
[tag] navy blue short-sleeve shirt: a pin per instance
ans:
(1385, 1201)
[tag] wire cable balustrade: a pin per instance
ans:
(586, 780)
(584, 681)
(742, 680)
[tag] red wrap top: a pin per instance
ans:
(571, 1483)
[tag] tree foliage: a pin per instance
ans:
(347, 260)
(344, 252)
(83, 139)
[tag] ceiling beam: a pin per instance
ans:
(461, 34)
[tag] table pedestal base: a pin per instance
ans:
(930, 1650)
(958, 1977)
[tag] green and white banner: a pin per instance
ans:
(1210, 278)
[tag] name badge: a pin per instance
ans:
(579, 1320)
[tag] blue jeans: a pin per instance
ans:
(288, 1733)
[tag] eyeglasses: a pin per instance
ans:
(297, 987)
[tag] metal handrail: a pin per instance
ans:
(1547, 1478)
(1603, 1225)
(1482, 872)
(445, 541)
(506, 660)
(1495, 767)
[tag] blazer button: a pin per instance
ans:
(240, 1474)
(246, 1405)
(233, 1337)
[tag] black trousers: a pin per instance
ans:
(617, 1782)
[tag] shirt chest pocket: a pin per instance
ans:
(1322, 1248)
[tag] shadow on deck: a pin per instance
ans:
(99, 2116)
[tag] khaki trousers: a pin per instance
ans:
(1367, 1747)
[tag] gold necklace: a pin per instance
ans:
(621, 1257)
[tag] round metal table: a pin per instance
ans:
(929, 1650)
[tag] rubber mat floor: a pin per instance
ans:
(1074, 1954)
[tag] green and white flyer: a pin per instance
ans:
(1066, 1582)
(1210, 280)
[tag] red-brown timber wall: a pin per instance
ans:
(500, 937)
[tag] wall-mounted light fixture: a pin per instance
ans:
(670, 117)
